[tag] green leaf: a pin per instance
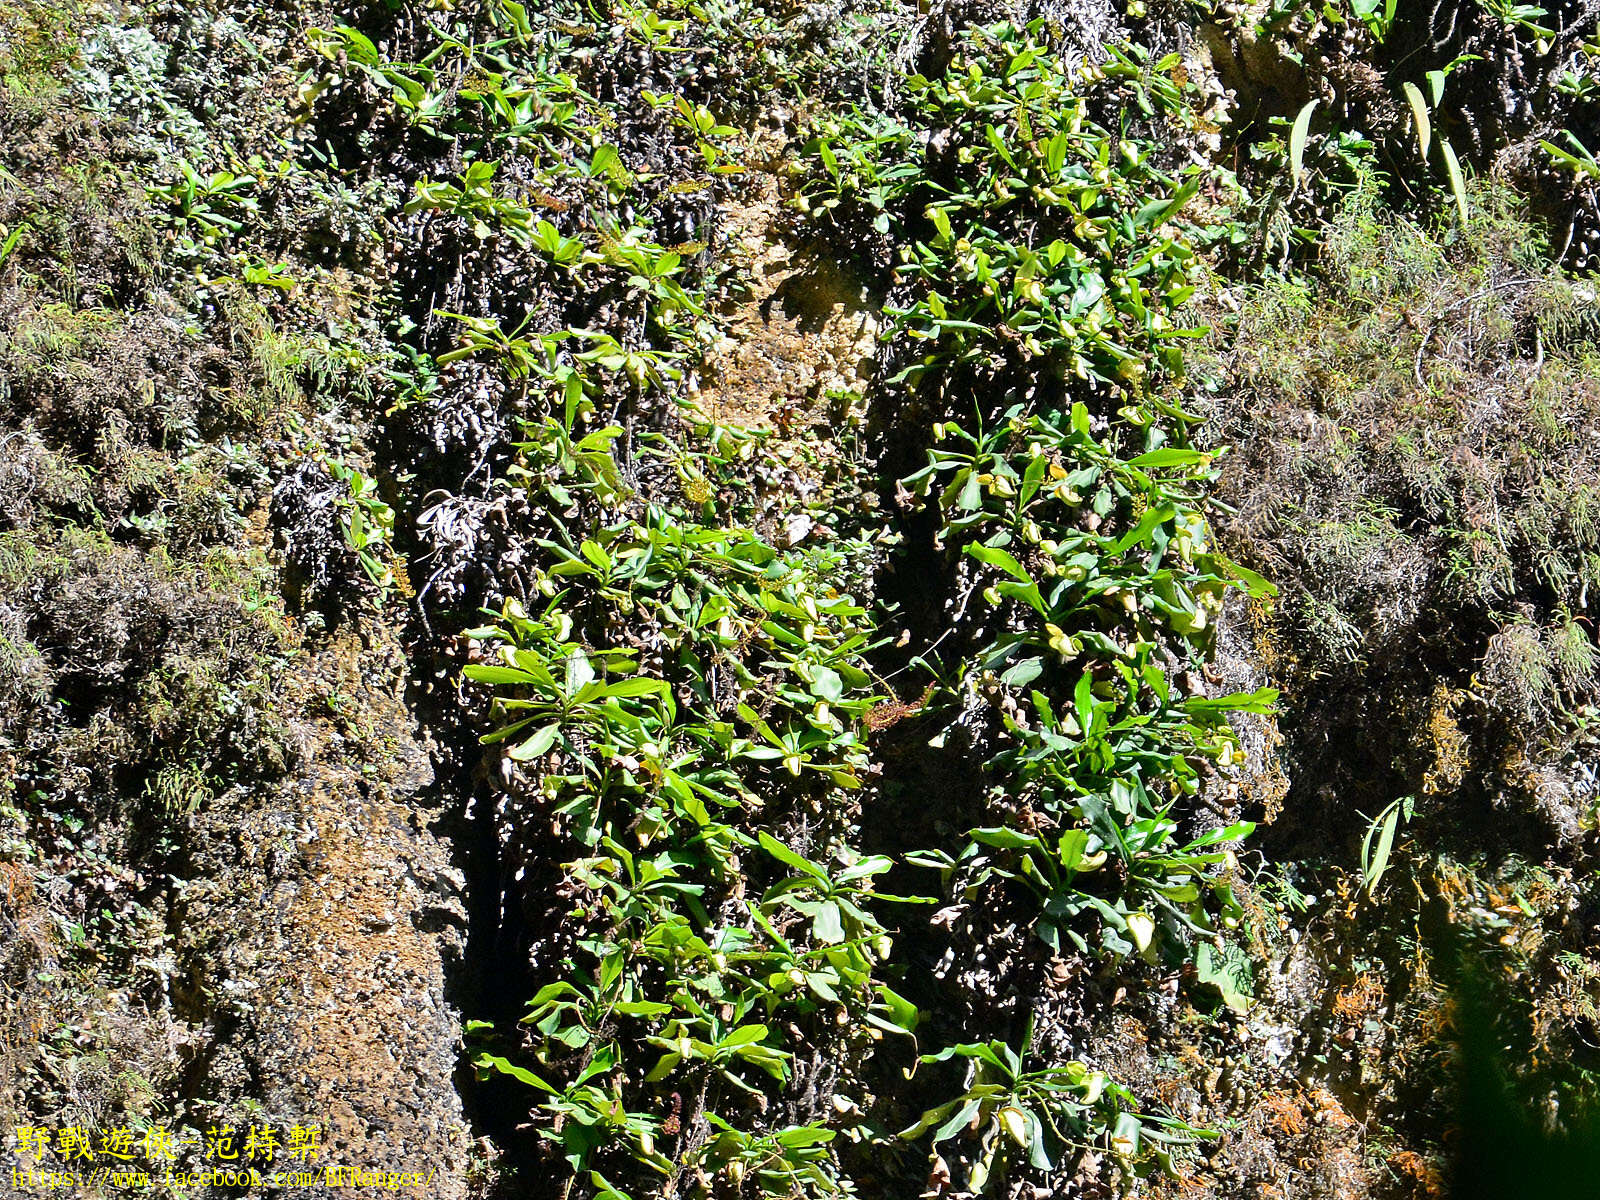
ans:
(1419, 114)
(928, 1119)
(964, 1114)
(1140, 534)
(1436, 81)
(996, 557)
(1004, 838)
(487, 1062)
(605, 160)
(627, 689)
(579, 670)
(538, 744)
(1159, 212)
(1070, 849)
(826, 684)
(484, 673)
(789, 858)
(972, 494)
(11, 241)
(1168, 456)
(1038, 1157)
(1374, 862)
(1261, 701)
(1126, 1133)
(1297, 142)
(1254, 583)
(1021, 674)
(800, 1136)
(552, 991)
(663, 1067)
(1582, 162)
(1458, 185)
(1228, 971)
(903, 1015)
(826, 925)
(822, 986)
(1056, 154)
(1032, 478)
(643, 1008)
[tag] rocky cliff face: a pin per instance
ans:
(317, 927)
(227, 900)
(372, 380)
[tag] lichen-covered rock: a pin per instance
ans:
(317, 929)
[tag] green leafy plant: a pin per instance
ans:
(1376, 15)
(367, 522)
(1102, 761)
(474, 198)
(1046, 239)
(585, 1115)
(1575, 155)
(217, 204)
(1020, 1114)
(411, 87)
(791, 1161)
(660, 785)
(1378, 844)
